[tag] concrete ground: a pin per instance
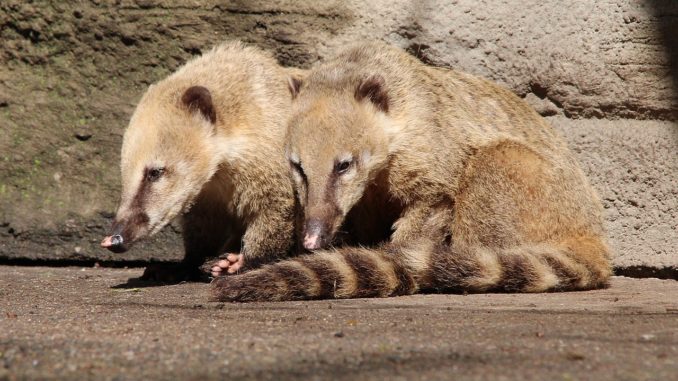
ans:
(91, 323)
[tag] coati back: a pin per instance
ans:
(206, 143)
(488, 195)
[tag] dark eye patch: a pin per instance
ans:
(297, 167)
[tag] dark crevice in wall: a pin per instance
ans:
(647, 272)
(666, 12)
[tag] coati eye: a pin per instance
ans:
(342, 166)
(154, 174)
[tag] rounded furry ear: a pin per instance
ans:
(294, 84)
(198, 98)
(373, 88)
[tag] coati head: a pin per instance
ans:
(336, 145)
(167, 156)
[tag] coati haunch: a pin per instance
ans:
(206, 143)
(488, 195)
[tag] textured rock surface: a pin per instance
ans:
(586, 58)
(634, 167)
(70, 74)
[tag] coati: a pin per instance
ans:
(206, 143)
(489, 197)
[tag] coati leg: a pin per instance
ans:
(411, 225)
(207, 232)
(269, 236)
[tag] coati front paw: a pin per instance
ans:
(225, 264)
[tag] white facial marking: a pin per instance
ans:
(366, 157)
(346, 156)
(391, 128)
(294, 158)
(232, 148)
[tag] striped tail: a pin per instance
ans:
(342, 273)
(390, 271)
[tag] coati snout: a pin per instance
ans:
(123, 233)
(322, 199)
(317, 233)
(114, 243)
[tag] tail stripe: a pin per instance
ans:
(518, 273)
(328, 274)
(545, 276)
(406, 284)
(371, 279)
(489, 270)
(299, 282)
(568, 272)
(450, 271)
(255, 285)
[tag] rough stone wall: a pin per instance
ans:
(604, 71)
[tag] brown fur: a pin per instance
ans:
(216, 129)
(490, 197)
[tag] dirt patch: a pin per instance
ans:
(89, 323)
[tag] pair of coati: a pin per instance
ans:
(428, 179)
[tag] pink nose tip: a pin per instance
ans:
(311, 242)
(107, 242)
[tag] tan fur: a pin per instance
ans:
(490, 197)
(227, 179)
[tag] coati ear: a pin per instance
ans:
(294, 84)
(373, 88)
(198, 98)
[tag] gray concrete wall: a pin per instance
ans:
(70, 74)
